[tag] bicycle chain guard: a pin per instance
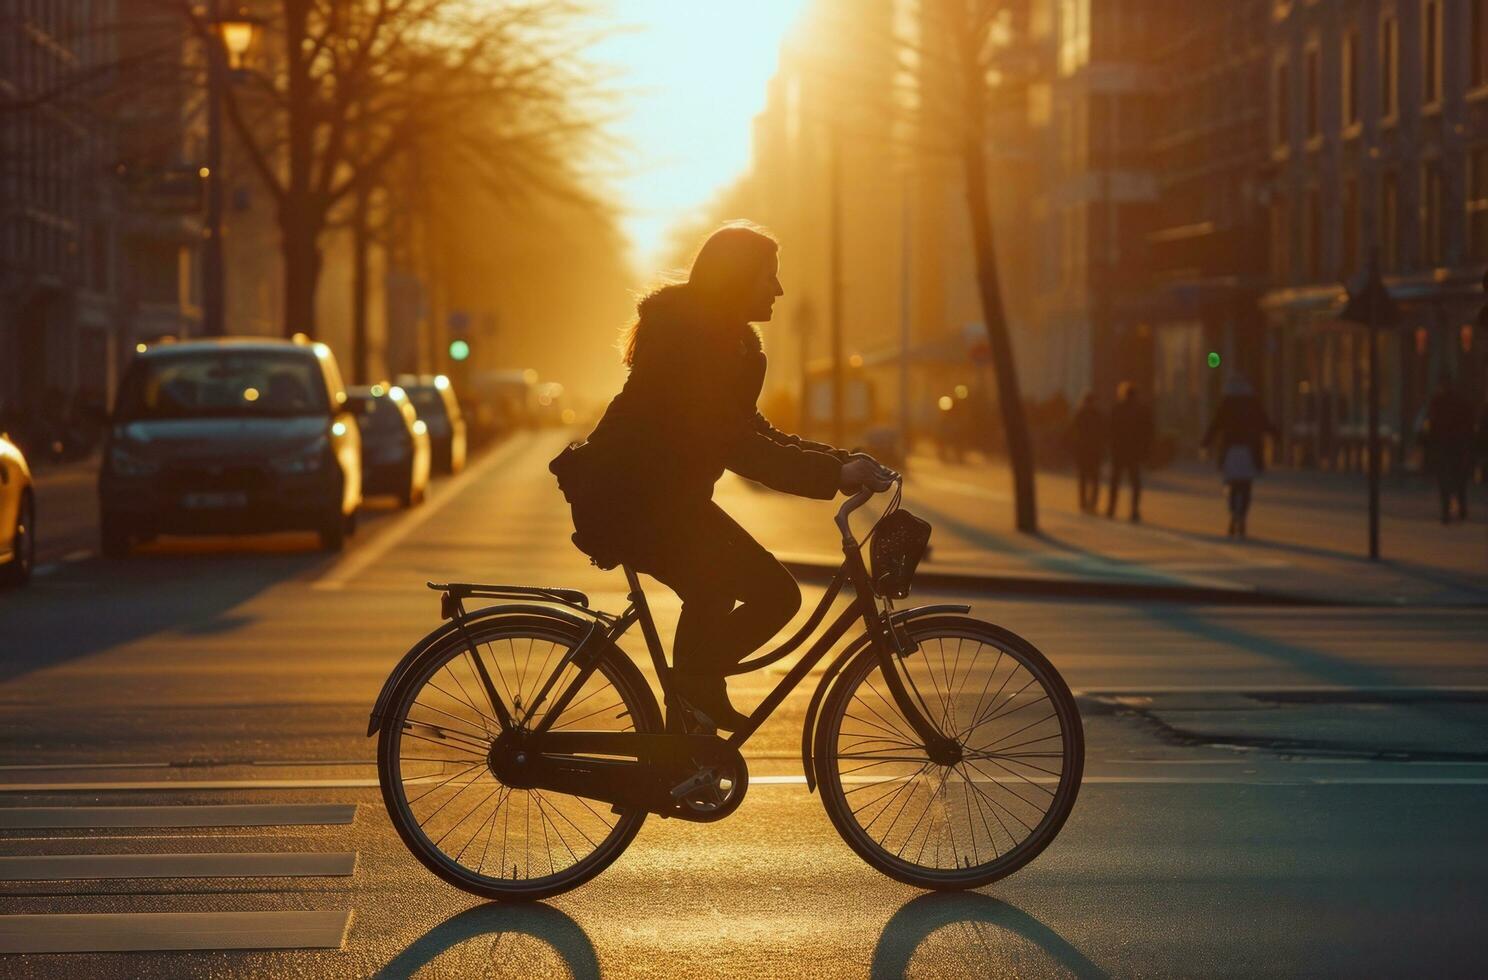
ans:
(700, 778)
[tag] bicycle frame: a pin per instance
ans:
(607, 630)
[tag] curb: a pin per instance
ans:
(1075, 588)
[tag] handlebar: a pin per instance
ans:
(853, 503)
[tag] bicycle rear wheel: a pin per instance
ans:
(456, 817)
(971, 819)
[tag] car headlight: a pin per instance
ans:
(308, 460)
(125, 463)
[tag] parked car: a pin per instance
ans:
(17, 516)
(434, 399)
(230, 435)
(395, 443)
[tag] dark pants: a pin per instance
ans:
(1089, 479)
(1451, 483)
(1239, 498)
(711, 562)
(1134, 470)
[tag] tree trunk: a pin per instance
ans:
(301, 214)
(299, 230)
(1009, 396)
(361, 242)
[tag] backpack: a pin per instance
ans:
(597, 529)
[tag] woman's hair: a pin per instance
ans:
(724, 269)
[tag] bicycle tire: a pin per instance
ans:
(860, 713)
(613, 669)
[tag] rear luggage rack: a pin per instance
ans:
(456, 592)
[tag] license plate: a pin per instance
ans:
(210, 501)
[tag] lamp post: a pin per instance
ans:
(228, 41)
(1370, 305)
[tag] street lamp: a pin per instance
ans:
(231, 36)
(237, 37)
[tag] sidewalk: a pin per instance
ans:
(1308, 537)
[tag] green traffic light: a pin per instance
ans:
(1213, 359)
(459, 350)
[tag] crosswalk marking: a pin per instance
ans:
(216, 815)
(118, 932)
(67, 867)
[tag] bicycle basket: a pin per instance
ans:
(898, 545)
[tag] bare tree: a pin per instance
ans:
(352, 84)
(963, 39)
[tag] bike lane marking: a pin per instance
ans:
(119, 932)
(353, 564)
(1246, 779)
(243, 864)
(217, 815)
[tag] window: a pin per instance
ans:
(1477, 203)
(1433, 250)
(1348, 206)
(1389, 220)
(1431, 52)
(1314, 116)
(1389, 66)
(1312, 235)
(1281, 240)
(1350, 61)
(1283, 102)
(1479, 42)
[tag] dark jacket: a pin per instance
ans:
(1131, 431)
(1240, 420)
(687, 413)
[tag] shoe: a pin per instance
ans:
(707, 696)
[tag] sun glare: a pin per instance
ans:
(694, 76)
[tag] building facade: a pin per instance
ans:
(99, 197)
(1378, 130)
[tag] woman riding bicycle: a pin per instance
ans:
(642, 485)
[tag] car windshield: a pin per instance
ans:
(223, 383)
(379, 415)
(428, 402)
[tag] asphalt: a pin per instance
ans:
(1269, 790)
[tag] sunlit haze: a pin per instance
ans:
(694, 75)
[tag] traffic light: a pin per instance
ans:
(1213, 359)
(459, 350)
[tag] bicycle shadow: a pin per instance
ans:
(511, 928)
(971, 940)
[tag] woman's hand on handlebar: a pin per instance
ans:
(863, 472)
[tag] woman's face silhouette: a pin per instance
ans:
(761, 298)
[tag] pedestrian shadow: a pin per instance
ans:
(511, 932)
(973, 931)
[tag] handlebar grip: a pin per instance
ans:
(852, 503)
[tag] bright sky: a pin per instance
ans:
(694, 72)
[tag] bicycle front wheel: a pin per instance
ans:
(457, 818)
(994, 804)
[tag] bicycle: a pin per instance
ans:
(910, 773)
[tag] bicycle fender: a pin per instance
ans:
(452, 628)
(856, 647)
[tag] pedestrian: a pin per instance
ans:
(1237, 435)
(1130, 440)
(1482, 441)
(1449, 437)
(641, 487)
(1086, 439)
